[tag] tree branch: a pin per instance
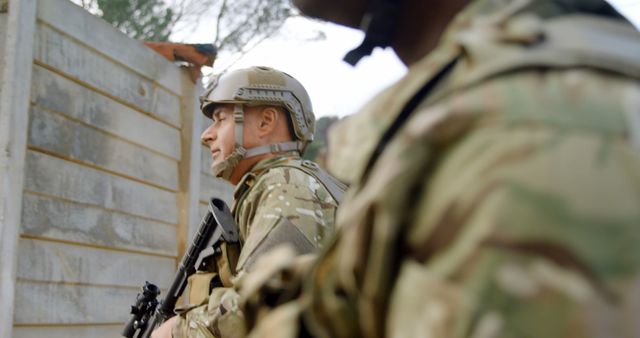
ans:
(223, 8)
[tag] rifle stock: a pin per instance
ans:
(147, 313)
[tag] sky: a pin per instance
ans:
(336, 88)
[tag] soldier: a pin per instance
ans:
(262, 123)
(495, 189)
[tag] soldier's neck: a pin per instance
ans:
(245, 165)
(421, 25)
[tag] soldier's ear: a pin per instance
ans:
(268, 119)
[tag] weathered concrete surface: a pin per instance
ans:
(97, 34)
(62, 220)
(57, 50)
(3, 32)
(62, 95)
(66, 180)
(53, 262)
(15, 81)
(44, 303)
(101, 171)
(102, 331)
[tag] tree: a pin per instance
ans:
(240, 25)
(316, 150)
(139, 19)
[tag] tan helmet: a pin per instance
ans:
(268, 86)
(261, 86)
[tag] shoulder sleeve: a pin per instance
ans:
(285, 206)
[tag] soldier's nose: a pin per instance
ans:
(207, 136)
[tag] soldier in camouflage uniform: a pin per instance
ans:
(262, 122)
(495, 189)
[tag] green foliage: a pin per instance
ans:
(322, 127)
(237, 26)
(140, 19)
(312, 151)
(319, 143)
(241, 24)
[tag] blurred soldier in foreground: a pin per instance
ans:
(262, 123)
(495, 188)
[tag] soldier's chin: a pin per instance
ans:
(215, 168)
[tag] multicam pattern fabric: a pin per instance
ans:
(279, 202)
(507, 205)
(275, 203)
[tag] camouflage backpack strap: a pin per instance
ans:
(335, 188)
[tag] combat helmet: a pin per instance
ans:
(260, 86)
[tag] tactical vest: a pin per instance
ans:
(201, 283)
(335, 188)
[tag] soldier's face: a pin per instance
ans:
(344, 12)
(220, 136)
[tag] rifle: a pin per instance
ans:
(147, 313)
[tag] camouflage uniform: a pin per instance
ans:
(278, 201)
(506, 204)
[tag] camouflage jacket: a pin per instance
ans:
(507, 204)
(282, 199)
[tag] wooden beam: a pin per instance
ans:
(15, 80)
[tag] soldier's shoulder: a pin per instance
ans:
(290, 172)
(529, 42)
(559, 77)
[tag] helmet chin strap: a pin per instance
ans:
(225, 168)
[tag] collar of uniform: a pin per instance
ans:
(273, 161)
(249, 179)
